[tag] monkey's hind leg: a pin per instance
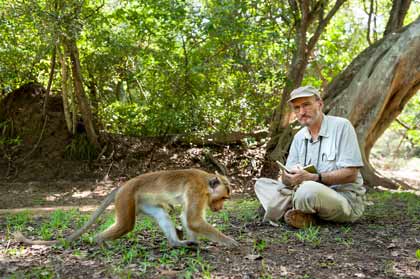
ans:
(125, 217)
(166, 225)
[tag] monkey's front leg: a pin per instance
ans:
(212, 233)
(191, 235)
(166, 225)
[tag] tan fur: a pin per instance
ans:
(152, 193)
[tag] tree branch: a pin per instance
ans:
(370, 13)
(397, 15)
(323, 23)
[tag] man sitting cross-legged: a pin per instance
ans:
(335, 192)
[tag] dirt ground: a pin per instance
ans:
(380, 245)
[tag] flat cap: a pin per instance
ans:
(304, 91)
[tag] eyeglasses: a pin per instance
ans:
(305, 106)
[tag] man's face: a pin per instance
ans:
(308, 110)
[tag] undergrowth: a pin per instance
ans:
(80, 149)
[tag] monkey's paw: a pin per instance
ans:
(185, 243)
(230, 242)
(191, 243)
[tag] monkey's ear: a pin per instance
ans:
(214, 182)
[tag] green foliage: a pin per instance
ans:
(198, 265)
(10, 141)
(343, 40)
(284, 237)
(59, 222)
(6, 137)
(385, 200)
(80, 149)
(259, 245)
(345, 241)
(177, 67)
(411, 118)
(309, 235)
(124, 118)
(344, 238)
(413, 13)
(244, 210)
(36, 273)
(17, 221)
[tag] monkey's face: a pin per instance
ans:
(217, 205)
(218, 196)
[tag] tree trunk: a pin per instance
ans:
(374, 89)
(65, 90)
(82, 100)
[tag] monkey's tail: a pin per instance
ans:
(19, 237)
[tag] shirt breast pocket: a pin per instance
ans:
(328, 161)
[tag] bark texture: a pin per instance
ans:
(374, 89)
(66, 92)
(82, 100)
(397, 15)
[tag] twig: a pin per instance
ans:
(7, 246)
(109, 169)
(50, 79)
(10, 165)
(403, 124)
(103, 151)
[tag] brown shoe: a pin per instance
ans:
(298, 219)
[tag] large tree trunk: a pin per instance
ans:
(374, 89)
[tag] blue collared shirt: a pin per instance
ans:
(335, 148)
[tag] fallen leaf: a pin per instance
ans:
(166, 272)
(391, 246)
(253, 257)
(39, 247)
(395, 253)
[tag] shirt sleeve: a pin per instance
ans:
(348, 154)
(293, 158)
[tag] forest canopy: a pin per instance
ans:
(159, 67)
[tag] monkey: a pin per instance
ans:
(152, 194)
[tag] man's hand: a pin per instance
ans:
(297, 176)
(340, 176)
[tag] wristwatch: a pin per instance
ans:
(319, 178)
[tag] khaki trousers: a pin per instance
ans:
(314, 197)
